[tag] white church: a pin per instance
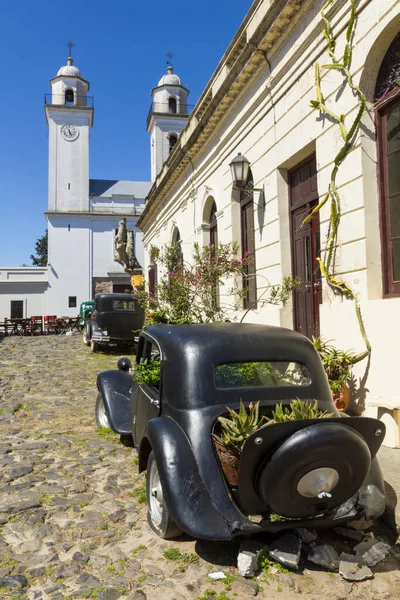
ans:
(83, 214)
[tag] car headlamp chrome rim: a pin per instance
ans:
(318, 483)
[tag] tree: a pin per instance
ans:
(41, 250)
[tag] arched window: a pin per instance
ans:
(172, 105)
(213, 228)
(248, 243)
(69, 97)
(387, 98)
(172, 141)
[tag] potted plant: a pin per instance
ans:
(238, 426)
(338, 365)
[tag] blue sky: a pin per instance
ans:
(120, 47)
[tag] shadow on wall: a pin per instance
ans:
(261, 212)
(358, 392)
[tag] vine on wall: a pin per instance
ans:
(348, 133)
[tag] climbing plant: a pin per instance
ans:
(348, 133)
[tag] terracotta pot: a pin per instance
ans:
(341, 398)
(229, 464)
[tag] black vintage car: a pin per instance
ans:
(311, 472)
(116, 319)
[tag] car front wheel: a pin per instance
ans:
(158, 515)
(86, 335)
(101, 415)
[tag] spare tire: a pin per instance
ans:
(314, 470)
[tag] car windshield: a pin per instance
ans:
(277, 373)
(123, 305)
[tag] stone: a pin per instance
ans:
(362, 524)
(37, 572)
(118, 515)
(286, 551)
(248, 557)
(381, 589)
(352, 568)
(287, 580)
(20, 506)
(88, 580)
(14, 581)
(372, 552)
(138, 595)
(243, 588)
(349, 534)
(306, 536)
(81, 558)
(325, 556)
(108, 594)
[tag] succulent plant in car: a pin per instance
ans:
(297, 411)
(236, 428)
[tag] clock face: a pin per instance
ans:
(69, 132)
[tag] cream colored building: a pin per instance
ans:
(257, 103)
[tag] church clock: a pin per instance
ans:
(69, 132)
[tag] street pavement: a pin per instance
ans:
(73, 507)
(389, 460)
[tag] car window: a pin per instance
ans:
(261, 374)
(148, 363)
(123, 305)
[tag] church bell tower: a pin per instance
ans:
(167, 117)
(69, 113)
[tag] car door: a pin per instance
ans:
(146, 401)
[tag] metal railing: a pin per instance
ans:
(164, 108)
(60, 100)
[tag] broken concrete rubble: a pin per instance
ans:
(286, 550)
(372, 552)
(249, 553)
(352, 568)
(325, 556)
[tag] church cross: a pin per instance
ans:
(70, 44)
(169, 56)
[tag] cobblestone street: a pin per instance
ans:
(73, 508)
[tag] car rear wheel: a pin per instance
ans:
(101, 415)
(93, 346)
(158, 515)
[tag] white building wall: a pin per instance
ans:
(70, 255)
(68, 161)
(26, 284)
(273, 125)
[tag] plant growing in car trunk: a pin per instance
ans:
(235, 429)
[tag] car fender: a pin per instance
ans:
(116, 386)
(186, 496)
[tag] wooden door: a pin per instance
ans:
(306, 248)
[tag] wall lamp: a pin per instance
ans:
(239, 171)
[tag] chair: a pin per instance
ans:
(50, 323)
(36, 325)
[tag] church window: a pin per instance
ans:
(172, 141)
(69, 97)
(17, 309)
(172, 105)
(387, 97)
(71, 301)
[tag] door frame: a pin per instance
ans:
(313, 201)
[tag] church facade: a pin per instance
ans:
(83, 214)
(256, 110)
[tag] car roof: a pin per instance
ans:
(114, 297)
(228, 341)
(190, 354)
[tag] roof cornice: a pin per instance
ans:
(260, 31)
